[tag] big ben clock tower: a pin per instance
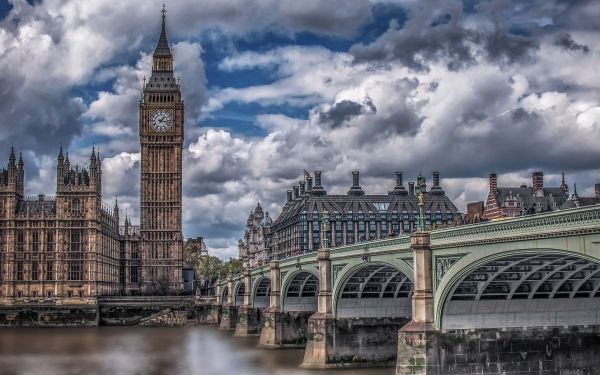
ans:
(161, 141)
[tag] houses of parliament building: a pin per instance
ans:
(72, 247)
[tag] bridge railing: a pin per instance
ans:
(553, 222)
(540, 224)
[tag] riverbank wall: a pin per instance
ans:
(150, 311)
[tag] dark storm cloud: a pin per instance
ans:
(39, 120)
(344, 111)
(566, 41)
(428, 37)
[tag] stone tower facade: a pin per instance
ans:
(64, 247)
(161, 140)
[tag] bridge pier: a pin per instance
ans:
(248, 318)
(229, 310)
(214, 316)
(321, 325)
(281, 329)
(417, 340)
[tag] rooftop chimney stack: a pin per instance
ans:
(355, 189)
(436, 178)
(538, 183)
(411, 188)
(399, 188)
(493, 183)
(309, 185)
(296, 192)
(436, 189)
(289, 196)
(318, 189)
(302, 188)
(398, 179)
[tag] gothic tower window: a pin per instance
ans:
(20, 240)
(75, 271)
(49, 271)
(76, 209)
(49, 241)
(35, 241)
(34, 271)
(19, 270)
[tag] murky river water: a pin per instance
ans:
(140, 351)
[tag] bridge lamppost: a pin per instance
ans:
(416, 336)
(321, 323)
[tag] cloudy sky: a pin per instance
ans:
(273, 87)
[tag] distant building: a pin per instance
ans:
(576, 201)
(356, 216)
(503, 202)
(256, 245)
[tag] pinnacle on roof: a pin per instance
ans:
(12, 157)
(60, 154)
(162, 48)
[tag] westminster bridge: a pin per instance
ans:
(515, 296)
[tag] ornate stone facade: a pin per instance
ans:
(256, 245)
(71, 248)
(161, 138)
(64, 247)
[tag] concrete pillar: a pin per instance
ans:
(417, 339)
(229, 311)
(248, 318)
(321, 325)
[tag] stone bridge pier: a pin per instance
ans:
(229, 310)
(286, 325)
(248, 315)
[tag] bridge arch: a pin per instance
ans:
(261, 292)
(522, 288)
(224, 294)
(240, 289)
(373, 290)
(300, 291)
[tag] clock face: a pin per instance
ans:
(161, 120)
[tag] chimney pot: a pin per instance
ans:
(289, 195)
(436, 178)
(411, 188)
(538, 180)
(302, 188)
(355, 179)
(296, 192)
(317, 178)
(398, 178)
(309, 184)
(493, 182)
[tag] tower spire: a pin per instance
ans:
(162, 48)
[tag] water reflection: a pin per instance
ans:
(140, 351)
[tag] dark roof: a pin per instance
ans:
(580, 202)
(528, 198)
(375, 204)
(36, 206)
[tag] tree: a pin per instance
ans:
(210, 268)
(232, 266)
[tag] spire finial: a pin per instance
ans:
(164, 11)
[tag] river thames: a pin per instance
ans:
(140, 351)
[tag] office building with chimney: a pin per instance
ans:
(356, 216)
